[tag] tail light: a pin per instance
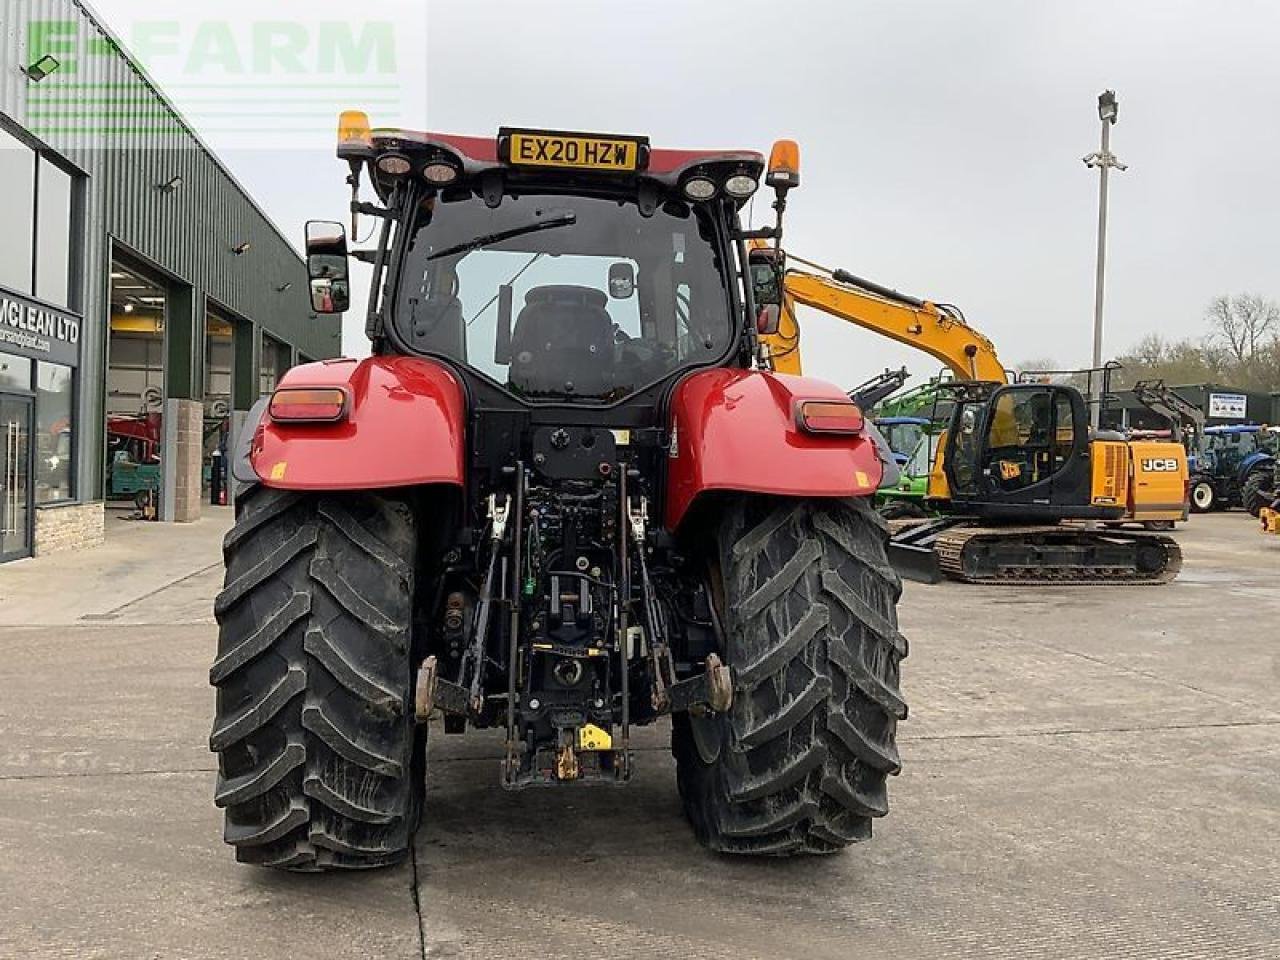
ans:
(829, 416)
(309, 404)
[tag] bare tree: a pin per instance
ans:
(1039, 364)
(1149, 352)
(1246, 325)
(1242, 348)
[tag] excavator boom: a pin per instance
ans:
(938, 331)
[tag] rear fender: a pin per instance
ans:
(1253, 462)
(736, 430)
(404, 427)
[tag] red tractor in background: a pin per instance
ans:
(565, 496)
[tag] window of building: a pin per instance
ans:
(53, 235)
(15, 372)
(18, 174)
(55, 431)
(35, 245)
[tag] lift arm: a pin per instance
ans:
(939, 331)
(880, 387)
(1183, 416)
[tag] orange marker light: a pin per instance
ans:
(308, 404)
(354, 133)
(784, 165)
(830, 416)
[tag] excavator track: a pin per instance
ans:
(1067, 554)
(1064, 554)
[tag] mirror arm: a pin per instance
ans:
(354, 181)
(369, 209)
(760, 233)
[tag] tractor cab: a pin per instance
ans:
(556, 268)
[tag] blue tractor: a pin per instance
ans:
(1232, 466)
(903, 434)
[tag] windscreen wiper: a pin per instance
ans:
(564, 220)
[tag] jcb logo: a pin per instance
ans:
(1160, 465)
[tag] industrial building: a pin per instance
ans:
(1222, 405)
(145, 298)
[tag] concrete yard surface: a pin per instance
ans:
(1088, 773)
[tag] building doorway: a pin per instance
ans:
(135, 389)
(15, 477)
(219, 358)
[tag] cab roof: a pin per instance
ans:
(477, 156)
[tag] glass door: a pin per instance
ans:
(15, 477)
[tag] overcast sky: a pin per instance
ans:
(941, 141)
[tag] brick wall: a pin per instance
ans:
(187, 456)
(72, 527)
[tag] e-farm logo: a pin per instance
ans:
(239, 80)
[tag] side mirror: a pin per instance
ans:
(327, 266)
(767, 267)
(768, 319)
(622, 281)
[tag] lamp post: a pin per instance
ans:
(1103, 160)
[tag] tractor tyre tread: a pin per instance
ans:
(1255, 493)
(809, 602)
(314, 726)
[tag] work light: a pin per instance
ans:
(441, 174)
(394, 164)
(699, 188)
(740, 186)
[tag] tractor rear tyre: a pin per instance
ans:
(808, 606)
(319, 760)
(1203, 496)
(1255, 492)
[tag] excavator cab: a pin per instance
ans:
(1022, 452)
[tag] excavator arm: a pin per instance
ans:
(939, 331)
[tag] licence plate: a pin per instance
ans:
(574, 151)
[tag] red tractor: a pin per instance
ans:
(565, 496)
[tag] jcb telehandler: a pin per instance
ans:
(562, 498)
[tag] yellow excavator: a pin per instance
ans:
(1017, 463)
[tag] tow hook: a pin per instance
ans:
(424, 693)
(432, 692)
(719, 684)
(710, 691)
